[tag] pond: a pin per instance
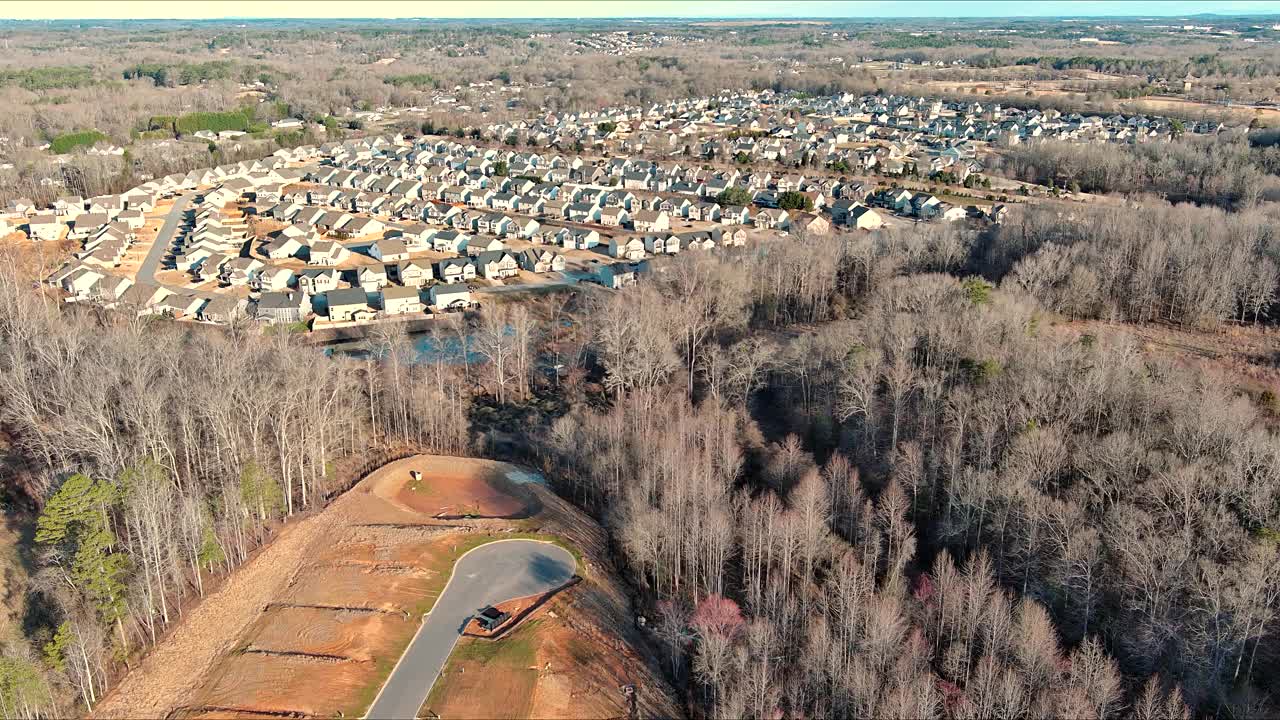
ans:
(426, 349)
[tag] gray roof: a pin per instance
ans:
(280, 300)
(347, 296)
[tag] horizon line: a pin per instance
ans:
(695, 18)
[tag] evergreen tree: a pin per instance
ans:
(77, 520)
(260, 492)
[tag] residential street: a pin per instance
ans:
(164, 239)
(492, 573)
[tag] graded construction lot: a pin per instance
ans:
(546, 667)
(316, 630)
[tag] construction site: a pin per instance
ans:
(313, 625)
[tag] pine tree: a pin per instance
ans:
(260, 492)
(100, 573)
(77, 518)
(211, 552)
(75, 503)
(55, 651)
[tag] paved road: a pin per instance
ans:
(490, 574)
(164, 240)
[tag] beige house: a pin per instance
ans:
(496, 265)
(348, 304)
(651, 221)
(539, 260)
(627, 248)
(45, 227)
(399, 300)
(415, 273)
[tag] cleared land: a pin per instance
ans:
(314, 624)
(488, 574)
(546, 667)
(1077, 88)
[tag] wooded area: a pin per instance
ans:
(162, 457)
(963, 514)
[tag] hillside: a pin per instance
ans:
(312, 626)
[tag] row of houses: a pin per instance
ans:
(768, 125)
(83, 282)
(641, 210)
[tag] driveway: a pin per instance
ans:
(489, 574)
(164, 240)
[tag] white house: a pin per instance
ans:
(496, 264)
(399, 300)
(450, 296)
(389, 249)
(651, 221)
(627, 248)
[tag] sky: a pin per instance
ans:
(190, 9)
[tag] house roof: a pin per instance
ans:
(491, 256)
(280, 300)
(346, 296)
(391, 246)
(399, 292)
(450, 288)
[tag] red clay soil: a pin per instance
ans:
(170, 673)
(285, 684)
(456, 487)
(312, 624)
(322, 632)
(549, 669)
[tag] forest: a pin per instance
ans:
(899, 483)
(1228, 169)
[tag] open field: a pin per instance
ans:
(350, 585)
(452, 488)
(1266, 116)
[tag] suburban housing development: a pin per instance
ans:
(416, 222)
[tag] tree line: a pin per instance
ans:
(1189, 265)
(929, 504)
(1224, 169)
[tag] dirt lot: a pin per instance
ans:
(36, 260)
(544, 668)
(457, 489)
(314, 624)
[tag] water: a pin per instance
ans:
(521, 476)
(426, 349)
(450, 349)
